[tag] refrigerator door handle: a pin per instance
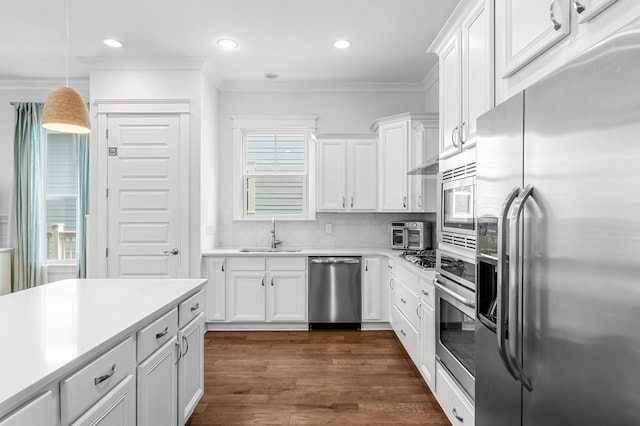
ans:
(515, 285)
(502, 302)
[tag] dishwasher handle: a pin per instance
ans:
(334, 260)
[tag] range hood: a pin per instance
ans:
(430, 167)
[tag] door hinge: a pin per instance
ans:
(106, 252)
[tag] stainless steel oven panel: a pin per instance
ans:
(453, 184)
(465, 277)
(463, 300)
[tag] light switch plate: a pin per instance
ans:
(328, 228)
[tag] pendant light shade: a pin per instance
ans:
(65, 111)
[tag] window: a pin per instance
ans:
(61, 195)
(275, 163)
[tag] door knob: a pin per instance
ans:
(174, 251)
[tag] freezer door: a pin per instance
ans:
(582, 240)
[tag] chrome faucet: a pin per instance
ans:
(275, 243)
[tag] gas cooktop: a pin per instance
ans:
(423, 258)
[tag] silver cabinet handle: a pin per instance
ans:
(419, 201)
(403, 301)
(343, 205)
(418, 310)
(222, 267)
(403, 333)
(366, 265)
(272, 278)
(101, 379)
(162, 333)
(335, 260)
(515, 285)
(452, 139)
(263, 277)
(391, 283)
(552, 15)
(186, 342)
(351, 202)
(389, 266)
(404, 202)
(426, 293)
(179, 350)
(172, 251)
(502, 290)
(579, 6)
(460, 133)
(455, 414)
(195, 307)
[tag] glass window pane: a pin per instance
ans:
(274, 196)
(62, 168)
(275, 154)
(61, 228)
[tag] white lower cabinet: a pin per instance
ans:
(374, 291)
(458, 408)
(427, 365)
(40, 411)
(267, 289)
(117, 408)
(158, 387)
(214, 271)
(190, 367)
(406, 333)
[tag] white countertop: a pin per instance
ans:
(48, 331)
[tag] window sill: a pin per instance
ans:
(61, 262)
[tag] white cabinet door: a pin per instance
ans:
(588, 9)
(362, 175)
(393, 166)
(40, 411)
(427, 344)
(214, 271)
(332, 175)
(450, 98)
(190, 368)
(246, 295)
(529, 28)
(373, 302)
(477, 69)
(117, 408)
(158, 387)
(287, 296)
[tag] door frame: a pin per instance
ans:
(97, 237)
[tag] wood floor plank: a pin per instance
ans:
(318, 377)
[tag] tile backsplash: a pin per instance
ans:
(349, 230)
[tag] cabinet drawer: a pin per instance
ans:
(156, 334)
(407, 302)
(190, 308)
(287, 263)
(408, 278)
(427, 293)
(85, 387)
(40, 411)
(246, 263)
(406, 333)
(456, 406)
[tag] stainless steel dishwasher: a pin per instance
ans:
(335, 292)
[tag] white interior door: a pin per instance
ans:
(144, 238)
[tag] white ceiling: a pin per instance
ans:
(293, 38)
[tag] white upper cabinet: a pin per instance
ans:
(530, 28)
(347, 174)
(424, 150)
(465, 48)
(392, 190)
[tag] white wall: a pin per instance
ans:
(150, 84)
(337, 112)
(208, 164)
(20, 91)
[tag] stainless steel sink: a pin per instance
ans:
(267, 250)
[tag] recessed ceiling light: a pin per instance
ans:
(227, 43)
(112, 42)
(342, 44)
(271, 75)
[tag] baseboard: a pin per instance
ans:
(297, 326)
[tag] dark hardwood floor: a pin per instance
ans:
(333, 376)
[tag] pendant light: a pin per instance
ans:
(64, 110)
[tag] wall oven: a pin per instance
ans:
(455, 316)
(457, 215)
(410, 235)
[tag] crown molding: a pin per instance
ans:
(80, 85)
(452, 25)
(431, 78)
(316, 86)
(168, 63)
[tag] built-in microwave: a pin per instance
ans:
(457, 215)
(410, 235)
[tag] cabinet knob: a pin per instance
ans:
(404, 202)
(351, 202)
(579, 6)
(552, 15)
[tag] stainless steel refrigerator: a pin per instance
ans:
(558, 202)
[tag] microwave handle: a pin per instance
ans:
(502, 302)
(405, 237)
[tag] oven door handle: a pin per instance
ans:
(502, 302)
(515, 285)
(463, 300)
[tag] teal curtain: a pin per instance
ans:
(82, 142)
(29, 269)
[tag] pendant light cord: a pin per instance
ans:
(67, 45)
